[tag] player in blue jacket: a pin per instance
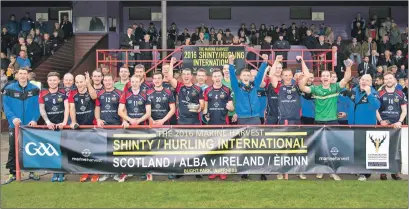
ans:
(248, 105)
(20, 102)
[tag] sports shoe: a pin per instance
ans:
(213, 176)
(10, 179)
(122, 177)
(396, 177)
(61, 177)
(362, 178)
(84, 177)
(244, 176)
(280, 176)
(55, 177)
(103, 178)
(319, 176)
(384, 177)
(222, 177)
(34, 176)
(263, 177)
(94, 178)
(335, 177)
(302, 176)
(116, 177)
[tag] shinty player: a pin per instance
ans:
(54, 109)
(140, 72)
(106, 113)
(218, 102)
(165, 72)
(393, 108)
(97, 77)
(82, 105)
(162, 102)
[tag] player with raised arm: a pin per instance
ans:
(189, 96)
(54, 109)
(82, 105)
(326, 97)
(393, 108)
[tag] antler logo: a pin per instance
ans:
(377, 142)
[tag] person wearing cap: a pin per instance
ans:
(282, 44)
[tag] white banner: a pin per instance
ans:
(404, 150)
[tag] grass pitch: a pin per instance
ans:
(252, 194)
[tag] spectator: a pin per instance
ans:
(262, 31)
(282, 44)
(340, 46)
(275, 35)
(3, 82)
(374, 57)
(195, 36)
(173, 32)
(302, 31)
(329, 35)
(153, 32)
(243, 38)
(60, 31)
(138, 32)
(182, 37)
(313, 30)
(56, 41)
(212, 35)
(228, 37)
(66, 27)
(33, 50)
(366, 68)
(368, 46)
(293, 37)
(399, 60)
(38, 37)
(401, 72)
(4, 61)
(404, 37)
(23, 60)
(242, 28)
(339, 66)
(12, 68)
(309, 41)
(271, 31)
(96, 24)
(6, 40)
(13, 28)
(146, 45)
(386, 59)
(283, 30)
(266, 45)
(256, 39)
(127, 41)
(321, 45)
(359, 20)
(252, 30)
(378, 80)
(26, 24)
(202, 40)
(322, 29)
(17, 47)
(219, 40)
(47, 45)
(358, 32)
(355, 50)
(382, 31)
(41, 26)
(203, 28)
(20, 110)
(372, 31)
(395, 37)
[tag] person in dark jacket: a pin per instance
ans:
(302, 31)
(33, 51)
(60, 32)
(243, 28)
(66, 26)
(358, 32)
(20, 103)
(309, 41)
(38, 37)
(139, 32)
(4, 61)
(13, 28)
(153, 32)
(26, 24)
(127, 41)
(182, 37)
(173, 32)
(56, 40)
(17, 47)
(146, 55)
(47, 45)
(266, 45)
(6, 40)
(384, 45)
(282, 44)
(96, 24)
(228, 37)
(262, 31)
(366, 67)
(41, 26)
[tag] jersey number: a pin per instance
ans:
(108, 99)
(390, 101)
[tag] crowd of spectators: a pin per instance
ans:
(24, 43)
